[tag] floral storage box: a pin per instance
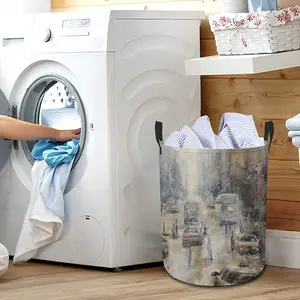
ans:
(257, 33)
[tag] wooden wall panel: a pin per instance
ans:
(208, 47)
(281, 149)
(69, 4)
(205, 31)
(283, 215)
(284, 178)
(275, 98)
(267, 96)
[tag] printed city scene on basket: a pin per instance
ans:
(213, 216)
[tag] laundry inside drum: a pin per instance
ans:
(59, 108)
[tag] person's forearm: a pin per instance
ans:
(13, 129)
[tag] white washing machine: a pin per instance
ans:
(116, 73)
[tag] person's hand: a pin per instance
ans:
(67, 135)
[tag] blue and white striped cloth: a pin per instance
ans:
(293, 125)
(235, 131)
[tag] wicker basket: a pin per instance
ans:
(257, 33)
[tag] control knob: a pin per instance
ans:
(46, 35)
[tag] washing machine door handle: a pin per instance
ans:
(14, 114)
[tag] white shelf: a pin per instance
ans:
(242, 64)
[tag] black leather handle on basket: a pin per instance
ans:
(269, 132)
(159, 134)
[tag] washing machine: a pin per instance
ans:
(114, 73)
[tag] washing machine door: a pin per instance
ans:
(6, 145)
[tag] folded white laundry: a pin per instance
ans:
(296, 141)
(41, 225)
(235, 131)
(293, 124)
(293, 133)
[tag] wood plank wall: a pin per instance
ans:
(268, 96)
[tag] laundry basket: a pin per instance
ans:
(213, 208)
(257, 33)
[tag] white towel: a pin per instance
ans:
(41, 226)
(293, 133)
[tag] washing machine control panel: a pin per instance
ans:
(46, 34)
(68, 33)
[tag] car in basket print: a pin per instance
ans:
(192, 236)
(191, 213)
(228, 207)
(247, 244)
(172, 206)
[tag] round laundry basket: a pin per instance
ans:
(213, 208)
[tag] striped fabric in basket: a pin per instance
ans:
(257, 33)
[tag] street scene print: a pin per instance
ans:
(213, 208)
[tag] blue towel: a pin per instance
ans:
(55, 153)
(59, 158)
(235, 131)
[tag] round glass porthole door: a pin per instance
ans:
(5, 145)
(52, 101)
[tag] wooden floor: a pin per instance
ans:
(42, 282)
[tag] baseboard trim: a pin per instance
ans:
(282, 249)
